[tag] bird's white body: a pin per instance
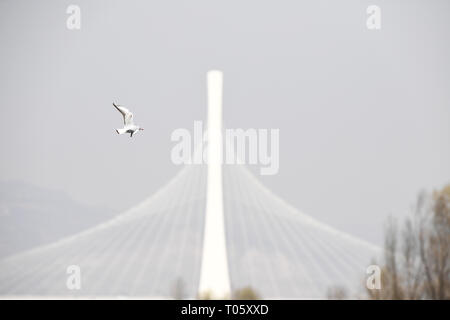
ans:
(129, 126)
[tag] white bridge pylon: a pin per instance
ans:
(214, 276)
(213, 227)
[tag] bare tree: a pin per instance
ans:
(434, 245)
(337, 293)
(412, 268)
(246, 293)
(391, 260)
(207, 295)
(418, 267)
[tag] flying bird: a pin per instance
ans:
(128, 124)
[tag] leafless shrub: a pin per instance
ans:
(417, 263)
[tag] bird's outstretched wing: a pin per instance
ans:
(127, 115)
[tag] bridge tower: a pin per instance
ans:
(214, 276)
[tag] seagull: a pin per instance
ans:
(129, 126)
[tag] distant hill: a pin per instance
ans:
(31, 216)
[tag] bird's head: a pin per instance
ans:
(141, 128)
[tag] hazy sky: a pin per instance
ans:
(363, 115)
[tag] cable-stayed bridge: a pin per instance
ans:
(245, 236)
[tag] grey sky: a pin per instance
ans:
(363, 115)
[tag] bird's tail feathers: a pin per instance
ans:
(121, 131)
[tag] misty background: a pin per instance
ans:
(363, 115)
